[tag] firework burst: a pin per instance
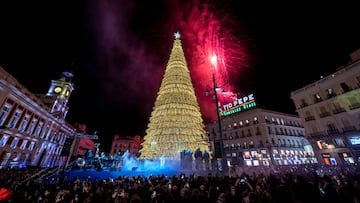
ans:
(213, 46)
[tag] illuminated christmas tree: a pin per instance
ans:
(175, 124)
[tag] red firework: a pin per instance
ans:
(212, 48)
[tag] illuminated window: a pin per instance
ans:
(38, 129)
(31, 126)
(278, 121)
(23, 144)
(317, 97)
(14, 143)
(15, 119)
(24, 123)
(3, 140)
(31, 146)
(4, 113)
(330, 92)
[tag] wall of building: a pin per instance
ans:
(330, 111)
(260, 137)
(29, 134)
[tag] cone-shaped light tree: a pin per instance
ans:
(175, 124)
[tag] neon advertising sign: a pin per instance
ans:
(240, 104)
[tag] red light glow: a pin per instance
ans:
(212, 44)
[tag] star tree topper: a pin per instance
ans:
(177, 35)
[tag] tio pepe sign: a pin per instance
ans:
(239, 104)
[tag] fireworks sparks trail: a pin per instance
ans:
(211, 41)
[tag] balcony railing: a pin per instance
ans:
(325, 114)
(309, 118)
(339, 110)
(355, 106)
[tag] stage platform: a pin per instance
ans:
(132, 167)
(105, 174)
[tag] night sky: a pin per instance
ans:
(118, 51)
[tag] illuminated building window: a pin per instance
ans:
(45, 131)
(251, 144)
(3, 140)
(339, 142)
(31, 126)
(317, 97)
(23, 144)
(241, 124)
(4, 113)
(24, 123)
(38, 129)
(256, 121)
(273, 120)
(14, 143)
(267, 119)
(278, 121)
(14, 119)
(31, 146)
(330, 93)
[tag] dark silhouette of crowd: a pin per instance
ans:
(285, 184)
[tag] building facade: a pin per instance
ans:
(330, 111)
(259, 137)
(33, 131)
(123, 144)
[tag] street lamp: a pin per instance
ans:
(221, 161)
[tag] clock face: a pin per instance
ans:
(57, 89)
(67, 93)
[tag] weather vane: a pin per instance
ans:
(177, 35)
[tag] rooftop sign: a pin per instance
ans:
(239, 104)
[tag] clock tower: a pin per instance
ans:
(58, 95)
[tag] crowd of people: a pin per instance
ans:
(290, 184)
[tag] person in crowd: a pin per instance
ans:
(290, 185)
